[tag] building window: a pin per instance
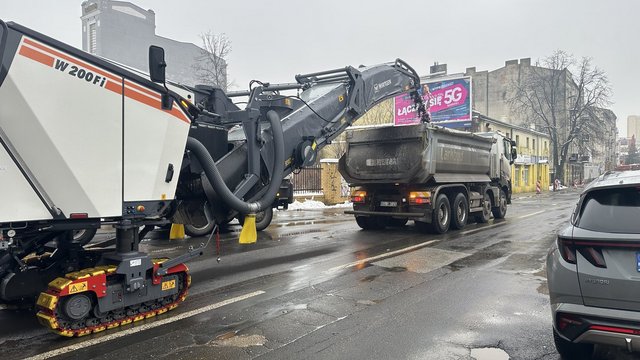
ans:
(516, 178)
(518, 140)
(526, 176)
(91, 38)
(533, 144)
(527, 143)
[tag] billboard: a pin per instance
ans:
(449, 103)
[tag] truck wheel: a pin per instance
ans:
(193, 230)
(500, 211)
(263, 218)
(441, 215)
(485, 215)
(370, 222)
(460, 211)
(83, 236)
(392, 222)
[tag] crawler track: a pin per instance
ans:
(91, 282)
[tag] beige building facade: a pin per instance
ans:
(633, 126)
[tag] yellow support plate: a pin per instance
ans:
(59, 283)
(47, 301)
(47, 320)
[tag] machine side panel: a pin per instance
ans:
(63, 117)
(18, 193)
(154, 139)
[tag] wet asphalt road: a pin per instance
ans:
(317, 287)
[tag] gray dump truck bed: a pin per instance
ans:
(415, 154)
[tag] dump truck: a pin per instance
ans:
(435, 176)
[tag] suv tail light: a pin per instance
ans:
(593, 254)
(565, 321)
(567, 250)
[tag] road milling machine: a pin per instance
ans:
(85, 142)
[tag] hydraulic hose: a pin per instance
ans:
(213, 174)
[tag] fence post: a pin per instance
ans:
(331, 184)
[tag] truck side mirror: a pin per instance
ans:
(157, 65)
(514, 155)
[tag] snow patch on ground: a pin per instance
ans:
(314, 204)
(562, 187)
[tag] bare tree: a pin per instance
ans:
(560, 95)
(211, 65)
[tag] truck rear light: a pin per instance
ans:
(419, 197)
(358, 196)
(78, 216)
(567, 250)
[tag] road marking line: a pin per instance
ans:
(136, 329)
(535, 213)
(482, 228)
(382, 256)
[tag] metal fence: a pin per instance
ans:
(307, 180)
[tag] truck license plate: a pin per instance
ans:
(388, 203)
(638, 261)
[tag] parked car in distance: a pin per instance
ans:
(593, 269)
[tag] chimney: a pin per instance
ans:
(511, 62)
(438, 69)
(470, 70)
(525, 61)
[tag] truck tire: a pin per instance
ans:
(370, 222)
(194, 231)
(83, 236)
(500, 211)
(459, 211)
(485, 215)
(393, 222)
(263, 219)
(441, 215)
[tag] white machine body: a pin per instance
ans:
(82, 139)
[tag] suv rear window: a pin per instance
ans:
(615, 210)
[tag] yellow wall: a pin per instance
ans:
(528, 167)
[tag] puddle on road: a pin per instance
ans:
(296, 233)
(395, 269)
(302, 222)
(230, 339)
(489, 354)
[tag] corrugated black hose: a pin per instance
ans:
(216, 180)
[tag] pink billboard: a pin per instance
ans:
(449, 102)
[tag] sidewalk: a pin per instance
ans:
(527, 195)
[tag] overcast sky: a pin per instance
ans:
(274, 40)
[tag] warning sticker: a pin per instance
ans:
(78, 287)
(168, 285)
